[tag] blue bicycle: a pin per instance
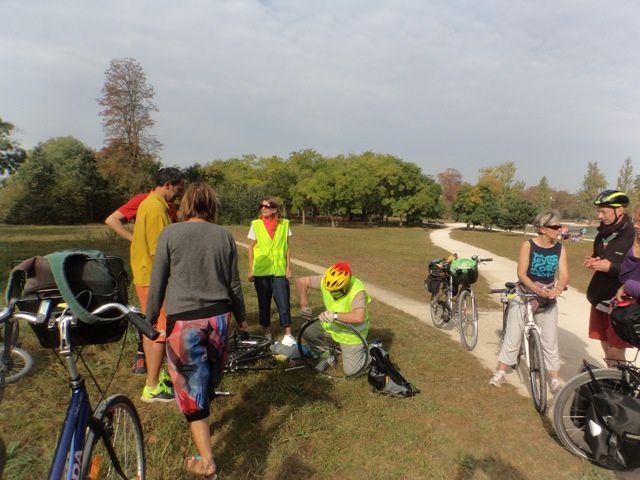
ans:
(114, 444)
(87, 307)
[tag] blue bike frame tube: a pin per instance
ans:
(71, 441)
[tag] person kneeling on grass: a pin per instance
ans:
(345, 300)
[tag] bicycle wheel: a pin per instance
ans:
(440, 313)
(323, 354)
(244, 352)
(118, 419)
(572, 403)
(17, 365)
(537, 372)
(468, 320)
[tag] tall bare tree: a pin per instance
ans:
(625, 178)
(127, 99)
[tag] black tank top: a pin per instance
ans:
(543, 262)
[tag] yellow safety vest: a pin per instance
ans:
(339, 333)
(270, 254)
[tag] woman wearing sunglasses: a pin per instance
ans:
(543, 270)
(269, 265)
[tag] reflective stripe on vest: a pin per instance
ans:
(270, 254)
(338, 332)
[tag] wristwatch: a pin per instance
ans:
(335, 315)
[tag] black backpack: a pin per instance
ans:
(626, 323)
(385, 377)
(612, 428)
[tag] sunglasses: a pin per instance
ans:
(266, 205)
(554, 227)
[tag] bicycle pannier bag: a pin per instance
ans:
(626, 323)
(432, 284)
(464, 270)
(385, 377)
(613, 429)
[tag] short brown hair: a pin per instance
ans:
(200, 201)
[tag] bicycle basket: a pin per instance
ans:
(464, 270)
(436, 268)
(92, 278)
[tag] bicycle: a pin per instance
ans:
(321, 353)
(248, 352)
(574, 400)
(452, 297)
(531, 346)
(113, 430)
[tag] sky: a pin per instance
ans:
(549, 85)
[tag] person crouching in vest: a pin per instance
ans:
(269, 265)
(345, 300)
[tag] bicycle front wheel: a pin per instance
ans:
(440, 312)
(468, 320)
(572, 403)
(115, 420)
(322, 353)
(537, 372)
(16, 366)
(244, 353)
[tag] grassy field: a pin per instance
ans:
(297, 425)
(508, 245)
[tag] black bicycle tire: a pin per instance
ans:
(333, 348)
(537, 372)
(247, 351)
(468, 344)
(104, 413)
(569, 421)
(436, 308)
(24, 363)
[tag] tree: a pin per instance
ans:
(58, 184)
(11, 155)
(593, 183)
(625, 181)
(127, 99)
(543, 195)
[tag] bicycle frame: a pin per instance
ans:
(529, 324)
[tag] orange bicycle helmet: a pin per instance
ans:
(337, 277)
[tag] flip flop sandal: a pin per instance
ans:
(195, 466)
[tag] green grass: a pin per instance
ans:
(297, 425)
(508, 245)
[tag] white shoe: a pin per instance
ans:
(556, 385)
(499, 377)
(288, 340)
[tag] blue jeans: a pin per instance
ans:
(277, 288)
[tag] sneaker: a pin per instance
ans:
(139, 367)
(556, 385)
(288, 340)
(498, 378)
(165, 379)
(325, 363)
(158, 394)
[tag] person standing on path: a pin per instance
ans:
(615, 238)
(543, 270)
(152, 217)
(269, 265)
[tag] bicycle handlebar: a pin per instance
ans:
(132, 315)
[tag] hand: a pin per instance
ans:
(543, 292)
(326, 316)
(306, 313)
(588, 261)
(250, 275)
(601, 265)
(288, 273)
(555, 292)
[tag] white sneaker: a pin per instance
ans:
(499, 377)
(288, 340)
(556, 385)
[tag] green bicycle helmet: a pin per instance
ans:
(611, 198)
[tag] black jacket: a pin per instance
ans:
(603, 286)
